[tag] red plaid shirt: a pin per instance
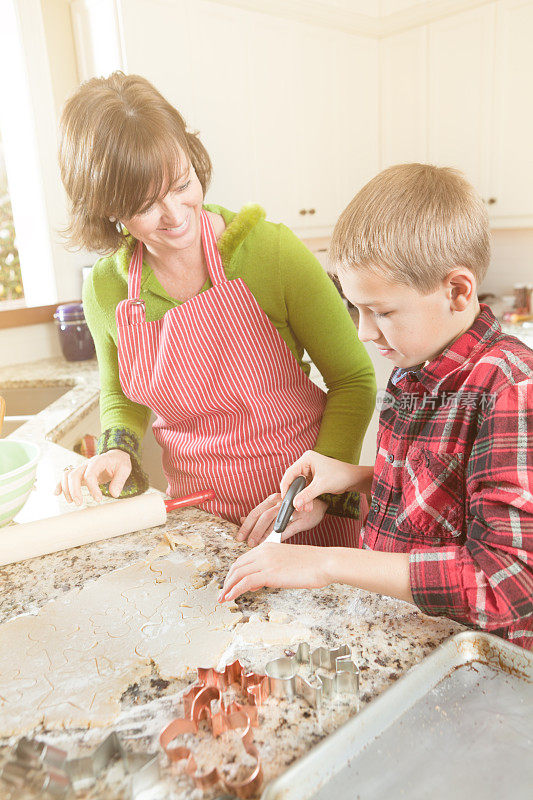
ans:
(453, 481)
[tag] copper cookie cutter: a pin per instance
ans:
(284, 682)
(211, 685)
(233, 716)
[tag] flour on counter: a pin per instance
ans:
(70, 663)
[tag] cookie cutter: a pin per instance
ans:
(284, 681)
(141, 769)
(211, 684)
(22, 778)
(48, 773)
(231, 719)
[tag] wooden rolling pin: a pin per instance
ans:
(93, 524)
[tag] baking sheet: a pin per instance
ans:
(459, 724)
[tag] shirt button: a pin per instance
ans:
(390, 458)
(374, 505)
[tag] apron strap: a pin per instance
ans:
(211, 252)
(134, 307)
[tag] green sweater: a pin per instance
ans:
(299, 299)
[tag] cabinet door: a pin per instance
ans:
(512, 165)
(354, 131)
(315, 120)
(273, 114)
(157, 45)
(460, 93)
(221, 99)
(404, 97)
(316, 139)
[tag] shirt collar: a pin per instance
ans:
(483, 330)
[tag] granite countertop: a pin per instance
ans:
(387, 636)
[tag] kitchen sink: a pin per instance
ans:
(22, 403)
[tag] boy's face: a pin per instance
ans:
(406, 326)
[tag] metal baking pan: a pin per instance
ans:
(457, 725)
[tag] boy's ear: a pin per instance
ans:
(461, 288)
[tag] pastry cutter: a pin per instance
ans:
(286, 510)
(91, 524)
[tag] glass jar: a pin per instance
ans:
(74, 335)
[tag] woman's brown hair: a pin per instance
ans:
(121, 147)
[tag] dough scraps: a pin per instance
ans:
(69, 664)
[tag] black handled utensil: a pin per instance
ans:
(287, 507)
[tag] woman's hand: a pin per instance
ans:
(327, 475)
(112, 467)
(260, 521)
(284, 566)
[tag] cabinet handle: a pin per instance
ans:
(303, 211)
(491, 201)
(312, 211)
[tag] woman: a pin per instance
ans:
(202, 316)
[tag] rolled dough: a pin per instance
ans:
(69, 664)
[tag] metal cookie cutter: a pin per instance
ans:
(232, 719)
(23, 778)
(142, 769)
(38, 768)
(46, 771)
(284, 681)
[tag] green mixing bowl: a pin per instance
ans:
(18, 466)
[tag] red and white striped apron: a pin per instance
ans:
(234, 408)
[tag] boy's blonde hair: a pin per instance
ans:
(121, 148)
(415, 222)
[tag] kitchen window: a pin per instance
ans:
(11, 288)
(28, 131)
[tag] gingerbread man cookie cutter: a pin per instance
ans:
(232, 718)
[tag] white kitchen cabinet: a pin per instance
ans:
(274, 140)
(287, 110)
(512, 155)
(404, 127)
(353, 134)
(461, 68)
(221, 87)
(157, 44)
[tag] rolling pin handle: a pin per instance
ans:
(173, 503)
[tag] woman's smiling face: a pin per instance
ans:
(173, 221)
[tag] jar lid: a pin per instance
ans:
(69, 312)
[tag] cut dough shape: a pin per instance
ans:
(271, 633)
(71, 662)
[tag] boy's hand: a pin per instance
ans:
(284, 566)
(327, 475)
(260, 521)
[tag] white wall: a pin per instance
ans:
(28, 343)
(512, 260)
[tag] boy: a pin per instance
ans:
(450, 526)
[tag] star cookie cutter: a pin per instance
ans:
(232, 717)
(46, 770)
(284, 681)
